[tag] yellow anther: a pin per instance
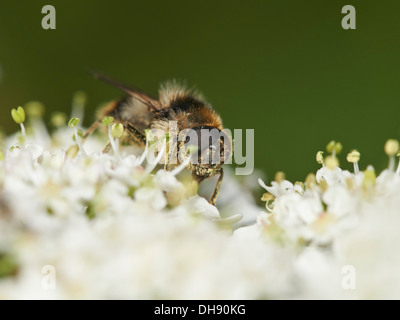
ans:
(320, 157)
(392, 147)
(331, 162)
(267, 197)
(280, 176)
(299, 183)
(353, 156)
(323, 185)
(311, 181)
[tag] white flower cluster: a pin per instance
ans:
(345, 227)
(81, 224)
(93, 225)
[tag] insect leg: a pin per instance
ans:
(167, 166)
(138, 137)
(134, 135)
(107, 147)
(217, 188)
(91, 129)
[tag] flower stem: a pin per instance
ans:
(356, 169)
(151, 165)
(79, 142)
(144, 154)
(114, 145)
(391, 163)
(23, 130)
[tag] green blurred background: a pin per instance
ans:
(284, 68)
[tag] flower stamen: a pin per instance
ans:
(398, 166)
(18, 116)
(72, 124)
(151, 165)
(78, 105)
(391, 149)
(320, 157)
(354, 157)
(114, 133)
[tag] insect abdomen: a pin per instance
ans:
(129, 110)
